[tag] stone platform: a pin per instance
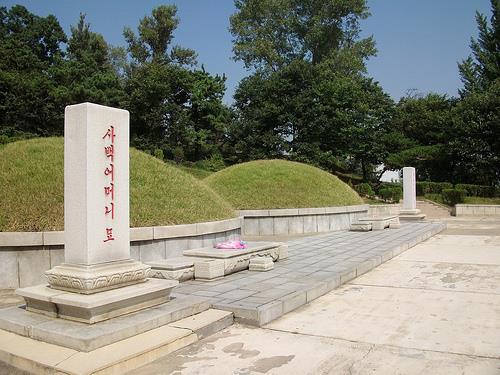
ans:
(84, 337)
(92, 308)
(235, 260)
(315, 266)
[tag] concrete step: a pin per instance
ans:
(38, 357)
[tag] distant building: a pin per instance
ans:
(390, 176)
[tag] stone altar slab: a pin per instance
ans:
(239, 259)
(380, 222)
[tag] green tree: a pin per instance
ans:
(482, 69)
(87, 74)
(426, 126)
(477, 141)
(309, 98)
(154, 39)
(29, 48)
(477, 116)
(173, 107)
(269, 34)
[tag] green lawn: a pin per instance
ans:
(196, 172)
(264, 184)
(468, 200)
(479, 200)
(368, 200)
(31, 181)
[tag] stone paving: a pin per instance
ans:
(315, 266)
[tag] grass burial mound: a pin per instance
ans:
(265, 184)
(32, 192)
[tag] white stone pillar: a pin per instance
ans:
(409, 191)
(96, 202)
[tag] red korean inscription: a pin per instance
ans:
(109, 190)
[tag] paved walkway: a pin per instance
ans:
(433, 309)
(316, 265)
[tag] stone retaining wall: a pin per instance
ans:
(25, 256)
(300, 220)
(384, 209)
(476, 210)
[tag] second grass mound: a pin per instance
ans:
(266, 184)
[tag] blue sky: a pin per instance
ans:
(419, 42)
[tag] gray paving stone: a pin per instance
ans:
(206, 293)
(238, 294)
(316, 265)
(222, 288)
(292, 285)
(274, 293)
(257, 286)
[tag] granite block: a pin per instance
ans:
(310, 224)
(32, 266)
(266, 226)
(152, 250)
(280, 225)
(9, 277)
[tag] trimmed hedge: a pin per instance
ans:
(391, 193)
(364, 189)
(479, 190)
(453, 196)
(429, 187)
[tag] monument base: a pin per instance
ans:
(411, 215)
(409, 211)
(78, 278)
(96, 307)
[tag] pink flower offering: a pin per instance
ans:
(232, 244)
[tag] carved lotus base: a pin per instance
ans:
(97, 278)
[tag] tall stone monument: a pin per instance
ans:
(96, 202)
(410, 210)
(98, 278)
